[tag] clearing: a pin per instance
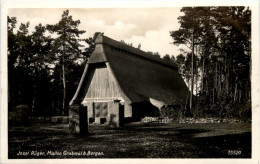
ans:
(212, 140)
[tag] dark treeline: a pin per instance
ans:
(44, 71)
(219, 46)
(45, 66)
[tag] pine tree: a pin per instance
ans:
(66, 47)
(41, 46)
(221, 47)
(12, 57)
(189, 35)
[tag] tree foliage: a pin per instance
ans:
(42, 65)
(65, 49)
(39, 63)
(222, 38)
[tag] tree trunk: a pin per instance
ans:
(202, 80)
(235, 93)
(197, 83)
(186, 104)
(197, 71)
(192, 72)
(227, 79)
(34, 97)
(11, 89)
(215, 83)
(64, 81)
(64, 88)
(213, 94)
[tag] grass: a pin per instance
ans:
(213, 140)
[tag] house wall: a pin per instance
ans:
(101, 87)
(102, 84)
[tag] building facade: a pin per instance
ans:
(121, 82)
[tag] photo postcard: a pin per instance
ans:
(130, 81)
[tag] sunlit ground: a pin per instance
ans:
(213, 140)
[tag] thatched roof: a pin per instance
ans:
(141, 76)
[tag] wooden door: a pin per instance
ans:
(100, 109)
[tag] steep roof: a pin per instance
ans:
(141, 76)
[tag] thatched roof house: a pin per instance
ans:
(118, 72)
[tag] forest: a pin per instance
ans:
(45, 66)
(217, 61)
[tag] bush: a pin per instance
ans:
(173, 112)
(20, 116)
(222, 108)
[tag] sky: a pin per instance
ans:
(149, 26)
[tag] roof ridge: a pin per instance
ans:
(101, 39)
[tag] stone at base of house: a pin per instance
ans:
(78, 119)
(115, 114)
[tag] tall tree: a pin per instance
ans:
(222, 38)
(234, 27)
(23, 64)
(66, 47)
(12, 57)
(189, 35)
(41, 46)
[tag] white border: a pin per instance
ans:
(254, 5)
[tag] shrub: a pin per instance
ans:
(222, 108)
(20, 116)
(174, 112)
